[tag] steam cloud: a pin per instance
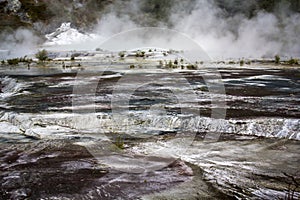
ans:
(220, 34)
(264, 35)
(21, 42)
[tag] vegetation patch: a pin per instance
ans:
(15, 61)
(42, 55)
(293, 61)
(121, 54)
(277, 59)
(191, 67)
(131, 66)
(140, 54)
(242, 62)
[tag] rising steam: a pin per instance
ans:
(221, 34)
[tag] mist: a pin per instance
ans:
(220, 34)
(224, 29)
(264, 35)
(19, 43)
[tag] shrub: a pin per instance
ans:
(122, 54)
(191, 67)
(140, 54)
(131, 66)
(42, 55)
(2, 62)
(170, 64)
(293, 61)
(242, 62)
(277, 59)
(13, 61)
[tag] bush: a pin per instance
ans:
(277, 59)
(131, 66)
(122, 54)
(140, 54)
(191, 67)
(170, 64)
(293, 61)
(242, 62)
(13, 61)
(42, 55)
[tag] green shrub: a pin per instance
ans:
(242, 62)
(131, 66)
(140, 54)
(277, 59)
(191, 67)
(121, 54)
(13, 61)
(42, 55)
(293, 61)
(170, 64)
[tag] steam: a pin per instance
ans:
(221, 36)
(264, 35)
(20, 43)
